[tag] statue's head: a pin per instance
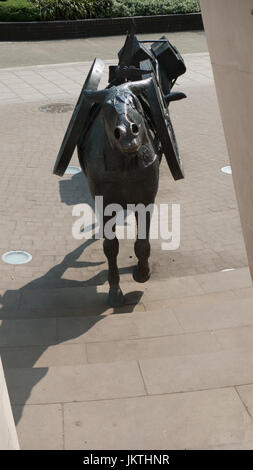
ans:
(123, 115)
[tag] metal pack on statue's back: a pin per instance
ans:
(121, 133)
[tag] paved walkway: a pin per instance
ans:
(14, 54)
(61, 81)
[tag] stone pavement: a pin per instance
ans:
(173, 367)
(48, 82)
(16, 54)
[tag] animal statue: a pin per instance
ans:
(121, 133)
(120, 157)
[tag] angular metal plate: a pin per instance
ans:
(78, 119)
(163, 125)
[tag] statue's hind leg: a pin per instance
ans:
(141, 272)
(111, 250)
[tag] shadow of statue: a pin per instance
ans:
(75, 190)
(19, 305)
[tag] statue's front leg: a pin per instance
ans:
(141, 272)
(111, 250)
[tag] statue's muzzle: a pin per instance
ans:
(130, 148)
(128, 139)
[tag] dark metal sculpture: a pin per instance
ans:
(121, 133)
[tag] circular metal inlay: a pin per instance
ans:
(72, 170)
(16, 257)
(56, 108)
(227, 170)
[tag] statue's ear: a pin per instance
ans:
(139, 86)
(96, 96)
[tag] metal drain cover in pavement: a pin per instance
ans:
(16, 257)
(56, 108)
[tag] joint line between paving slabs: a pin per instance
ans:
(129, 397)
(144, 384)
(242, 401)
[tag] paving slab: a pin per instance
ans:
(179, 421)
(27, 333)
(69, 301)
(74, 383)
(236, 338)
(41, 427)
(245, 292)
(206, 312)
(213, 298)
(112, 338)
(43, 356)
(197, 372)
(173, 345)
(115, 327)
(230, 313)
(90, 300)
(221, 281)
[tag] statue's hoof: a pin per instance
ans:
(115, 297)
(141, 275)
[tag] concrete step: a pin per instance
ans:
(196, 313)
(88, 397)
(192, 420)
(176, 421)
(122, 379)
(195, 325)
(92, 300)
(66, 361)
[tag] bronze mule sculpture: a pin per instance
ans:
(120, 158)
(121, 133)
